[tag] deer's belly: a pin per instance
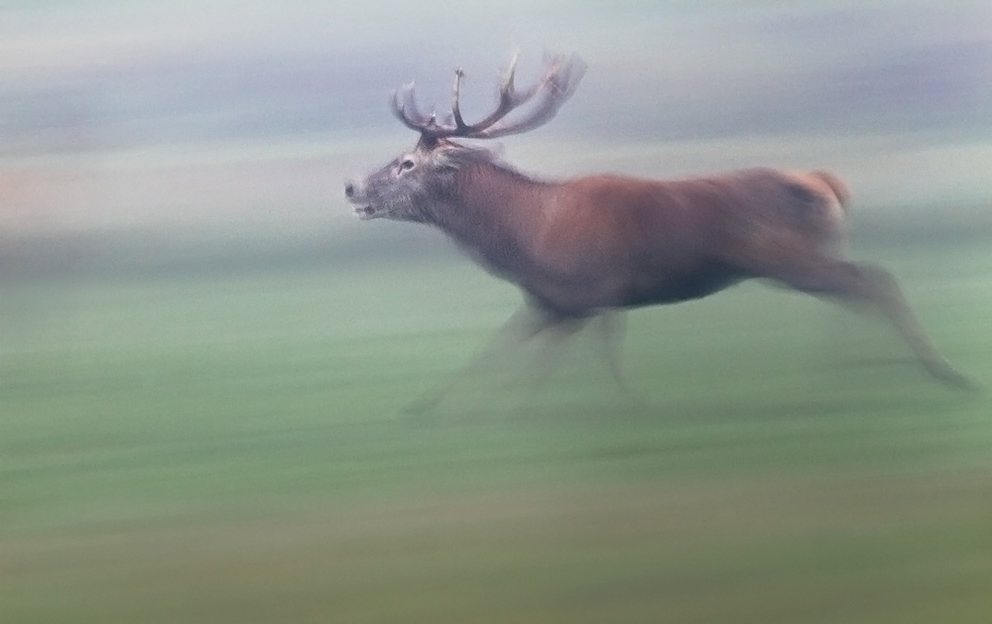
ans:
(654, 288)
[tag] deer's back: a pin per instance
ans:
(639, 241)
(632, 216)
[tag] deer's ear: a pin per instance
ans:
(447, 168)
(446, 160)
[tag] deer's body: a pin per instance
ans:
(610, 241)
(589, 247)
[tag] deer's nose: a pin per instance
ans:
(349, 190)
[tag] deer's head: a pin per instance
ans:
(423, 177)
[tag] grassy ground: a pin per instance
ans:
(230, 448)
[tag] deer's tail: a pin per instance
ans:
(836, 185)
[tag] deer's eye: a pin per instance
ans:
(407, 164)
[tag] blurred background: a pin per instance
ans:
(204, 355)
(150, 127)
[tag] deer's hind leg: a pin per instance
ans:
(821, 275)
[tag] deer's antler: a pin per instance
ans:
(557, 84)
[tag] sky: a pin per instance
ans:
(242, 119)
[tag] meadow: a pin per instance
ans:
(229, 446)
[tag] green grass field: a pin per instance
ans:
(230, 447)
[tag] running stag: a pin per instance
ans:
(588, 248)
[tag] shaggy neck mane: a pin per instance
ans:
(492, 210)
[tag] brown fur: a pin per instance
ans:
(595, 245)
(589, 248)
(607, 241)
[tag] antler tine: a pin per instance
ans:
(404, 106)
(509, 98)
(456, 111)
(556, 85)
(507, 86)
(509, 89)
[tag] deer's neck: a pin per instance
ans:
(494, 213)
